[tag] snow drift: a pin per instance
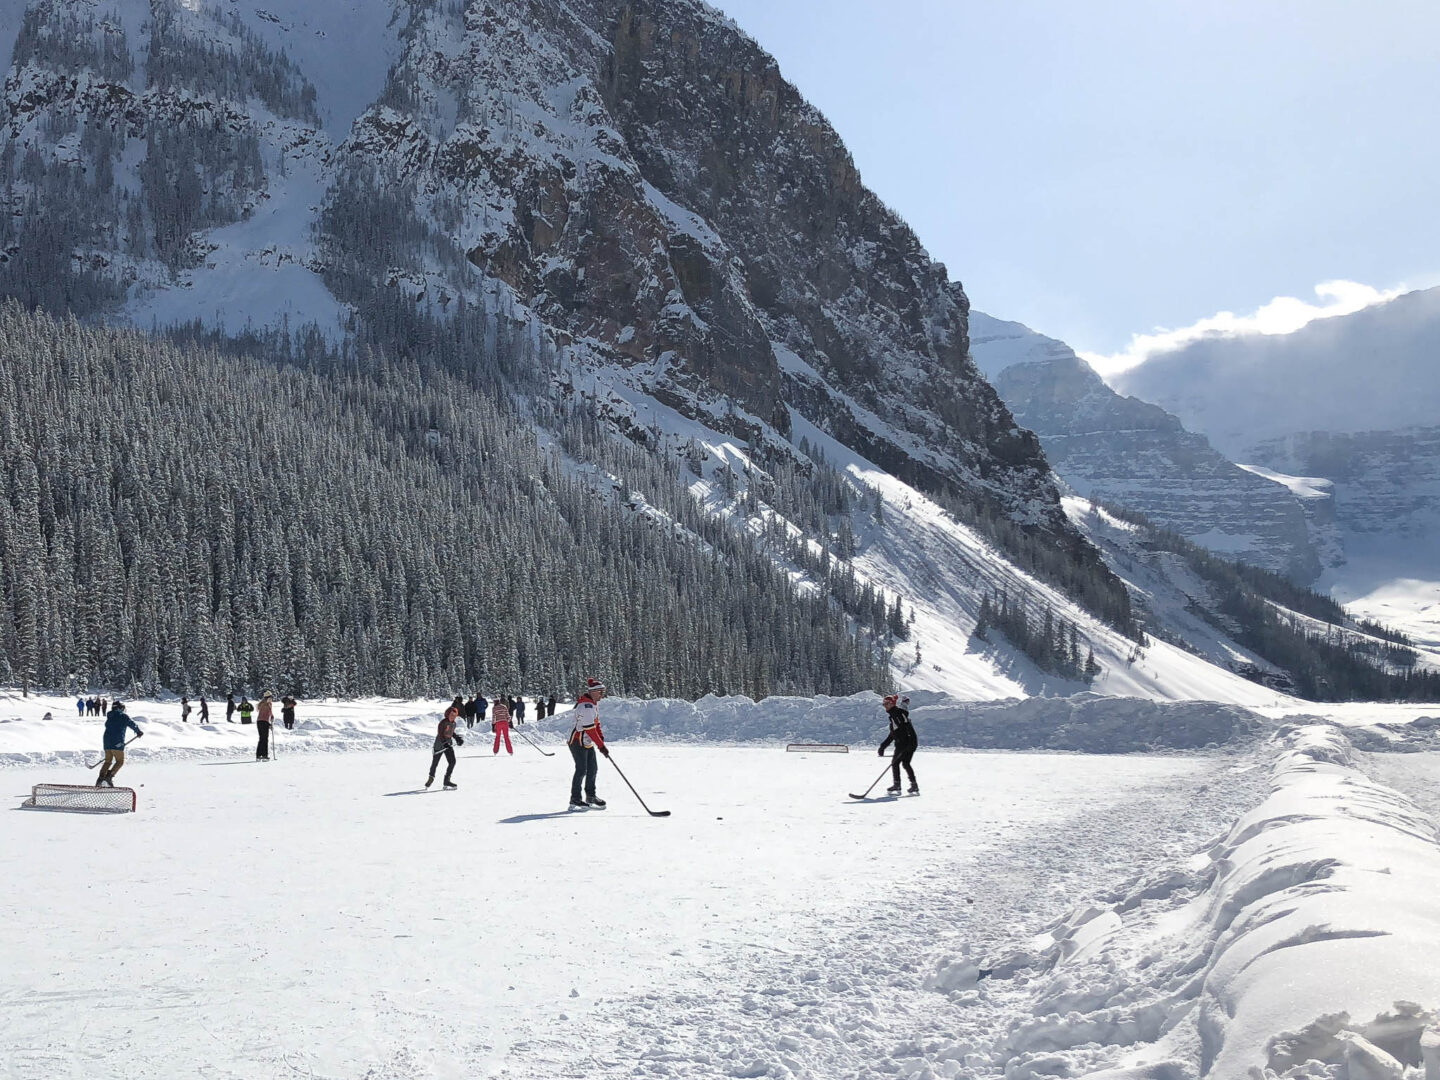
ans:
(1087, 723)
(1299, 944)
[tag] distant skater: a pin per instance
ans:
(902, 734)
(550, 706)
(116, 724)
(80, 706)
(500, 724)
(585, 738)
(204, 710)
(519, 711)
(287, 712)
(184, 710)
(229, 708)
(446, 739)
(246, 709)
(264, 717)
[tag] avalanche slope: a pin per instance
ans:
(938, 567)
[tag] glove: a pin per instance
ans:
(605, 751)
(880, 751)
(459, 741)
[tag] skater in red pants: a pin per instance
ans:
(500, 724)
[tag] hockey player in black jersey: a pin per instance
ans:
(902, 734)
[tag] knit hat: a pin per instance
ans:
(594, 686)
(890, 700)
(905, 702)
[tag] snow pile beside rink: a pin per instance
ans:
(1305, 943)
(1088, 723)
(28, 738)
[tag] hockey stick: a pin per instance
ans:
(102, 759)
(871, 787)
(652, 813)
(537, 746)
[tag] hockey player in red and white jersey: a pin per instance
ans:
(585, 738)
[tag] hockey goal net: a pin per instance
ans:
(81, 798)
(816, 748)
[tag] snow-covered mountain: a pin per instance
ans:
(636, 178)
(620, 202)
(1128, 452)
(1345, 404)
(623, 201)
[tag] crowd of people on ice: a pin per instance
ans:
(585, 740)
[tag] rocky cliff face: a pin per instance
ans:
(629, 183)
(1125, 451)
(1384, 481)
(641, 177)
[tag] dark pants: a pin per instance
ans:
(903, 754)
(586, 765)
(262, 749)
(449, 755)
(289, 718)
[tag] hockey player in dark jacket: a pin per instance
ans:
(446, 739)
(117, 722)
(902, 734)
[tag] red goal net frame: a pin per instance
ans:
(81, 799)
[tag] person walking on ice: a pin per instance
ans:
(500, 724)
(902, 734)
(446, 739)
(116, 723)
(585, 738)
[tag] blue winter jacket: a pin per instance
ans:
(116, 721)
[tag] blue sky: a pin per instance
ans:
(1100, 169)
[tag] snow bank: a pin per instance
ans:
(65, 739)
(1305, 942)
(1326, 924)
(1089, 723)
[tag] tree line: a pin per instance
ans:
(177, 518)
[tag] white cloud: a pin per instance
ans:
(1283, 315)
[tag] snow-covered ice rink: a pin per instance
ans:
(315, 916)
(1264, 900)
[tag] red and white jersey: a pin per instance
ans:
(587, 723)
(499, 712)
